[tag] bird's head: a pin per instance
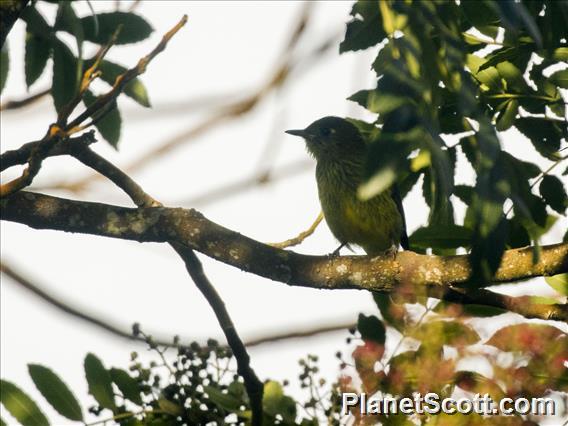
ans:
(331, 138)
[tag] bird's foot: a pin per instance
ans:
(335, 253)
(390, 252)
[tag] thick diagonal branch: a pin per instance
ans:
(190, 228)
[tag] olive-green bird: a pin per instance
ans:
(377, 224)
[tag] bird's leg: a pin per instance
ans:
(392, 251)
(335, 252)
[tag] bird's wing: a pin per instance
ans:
(398, 201)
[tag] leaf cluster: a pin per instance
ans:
(450, 77)
(198, 386)
(44, 42)
(523, 360)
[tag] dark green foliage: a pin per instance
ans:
(554, 193)
(44, 41)
(55, 392)
(99, 28)
(100, 383)
(189, 384)
(371, 328)
(363, 31)
(127, 385)
(110, 124)
(134, 89)
(4, 66)
(20, 405)
(38, 51)
(65, 84)
(435, 77)
(444, 236)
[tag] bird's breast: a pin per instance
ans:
(374, 224)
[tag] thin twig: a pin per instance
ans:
(21, 155)
(223, 114)
(301, 236)
(76, 312)
(299, 334)
(126, 77)
(91, 159)
(539, 178)
(125, 332)
(61, 130)
(20, 103)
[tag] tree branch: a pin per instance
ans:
(74, 311)
(253, 385)
(124, 332)
(62, 147)
(191, 228)
(20, 103)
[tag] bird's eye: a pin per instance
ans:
(325, 131)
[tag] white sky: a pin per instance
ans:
(226, 48)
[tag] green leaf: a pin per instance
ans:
(135, 89)
(127, 385)
(55, 392)
(559, 283)
(554, 193)
(275, 402)
(524, 337)
(170, 407)
(21, 406)
(508, 115)
(38, 50)
(441, 236)
(380, 103)
(224, 400)
(489, 77)
(446, 333)
(479, 12)
(66, 18)
(512, 75)
(545, 135)
(560, 54)
(560, 78)
(110, 125)
(63, 88)
(4, 66)
(371, 328)
(100, 384)
(518, 234)
(36, 23)
(387, 158)
(364, 30)
(134, 27)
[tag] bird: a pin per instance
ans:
(378, 224)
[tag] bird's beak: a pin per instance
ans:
(301, 133)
